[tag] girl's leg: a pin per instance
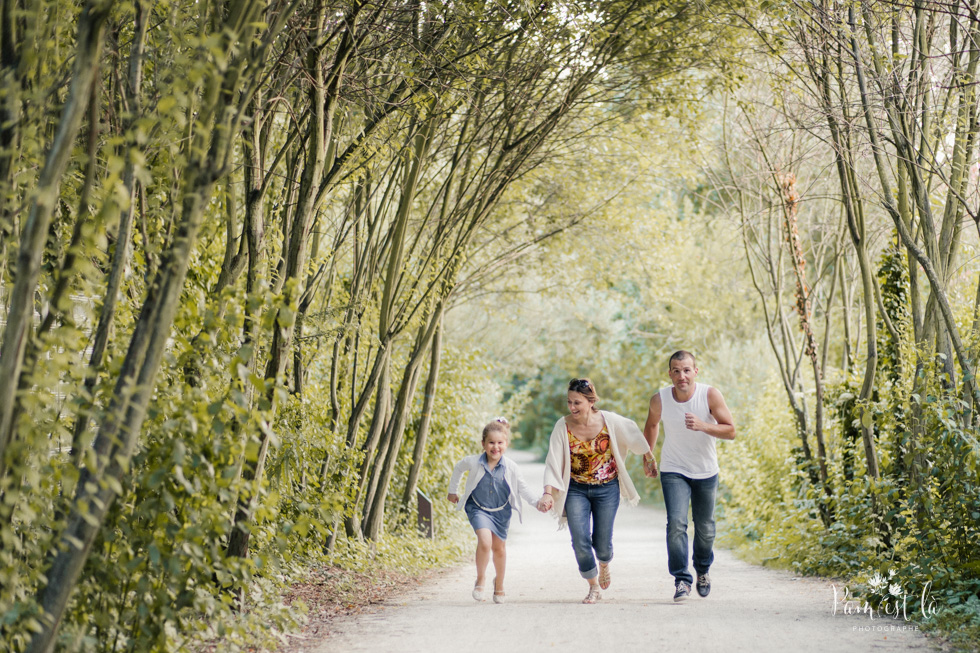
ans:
(499, 547)
(483, 546)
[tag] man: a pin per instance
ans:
(695, 417)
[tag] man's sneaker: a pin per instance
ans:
(704, 584)
(683, 591)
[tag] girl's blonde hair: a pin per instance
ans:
(499, 424)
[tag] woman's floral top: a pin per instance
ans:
(592, 461)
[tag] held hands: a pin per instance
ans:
(453, 498)
(546, 503)
(650, 467)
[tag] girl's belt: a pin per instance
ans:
(497, 509)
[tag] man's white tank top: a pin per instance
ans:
(691, 453)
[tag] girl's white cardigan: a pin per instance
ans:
(512, 474)
(623, 432)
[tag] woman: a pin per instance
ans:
(585, 475)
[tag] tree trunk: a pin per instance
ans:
(324, 98)
(388, 455)
(124, 239)
(35, 233)
(803, 308)
(856, 228)
(925, 256)
(422, 431)
(98, 487)
(118, 433)
(378, 426)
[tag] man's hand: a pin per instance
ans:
(693, 422)
(650, 467)
(453, 498)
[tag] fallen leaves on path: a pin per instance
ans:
(332, 592)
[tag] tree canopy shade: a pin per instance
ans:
(231, 233)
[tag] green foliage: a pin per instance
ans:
(912, 528)
(893, 277)
(159, 565)
(915, 527)
(556, 216)
(755, 501)
(407, 552)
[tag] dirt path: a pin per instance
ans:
(750, 608)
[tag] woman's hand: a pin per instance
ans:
(453, 498)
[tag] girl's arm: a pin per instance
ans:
(524, 490)
(458, 470)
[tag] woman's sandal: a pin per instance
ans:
(478, 594)
(594, 595)
(604, 578)
(498, 595)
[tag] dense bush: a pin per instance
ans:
(914, 530)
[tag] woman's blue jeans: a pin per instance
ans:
(681, 492)
(591, 511)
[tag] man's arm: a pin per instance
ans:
(724, 429)
(651, 430)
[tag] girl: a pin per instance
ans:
(494, 487)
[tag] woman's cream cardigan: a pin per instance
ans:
(624, 435)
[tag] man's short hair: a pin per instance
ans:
(681, 355)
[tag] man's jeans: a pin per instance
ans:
(679, 493)
(596, 504)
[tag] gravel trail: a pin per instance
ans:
(750, 608)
